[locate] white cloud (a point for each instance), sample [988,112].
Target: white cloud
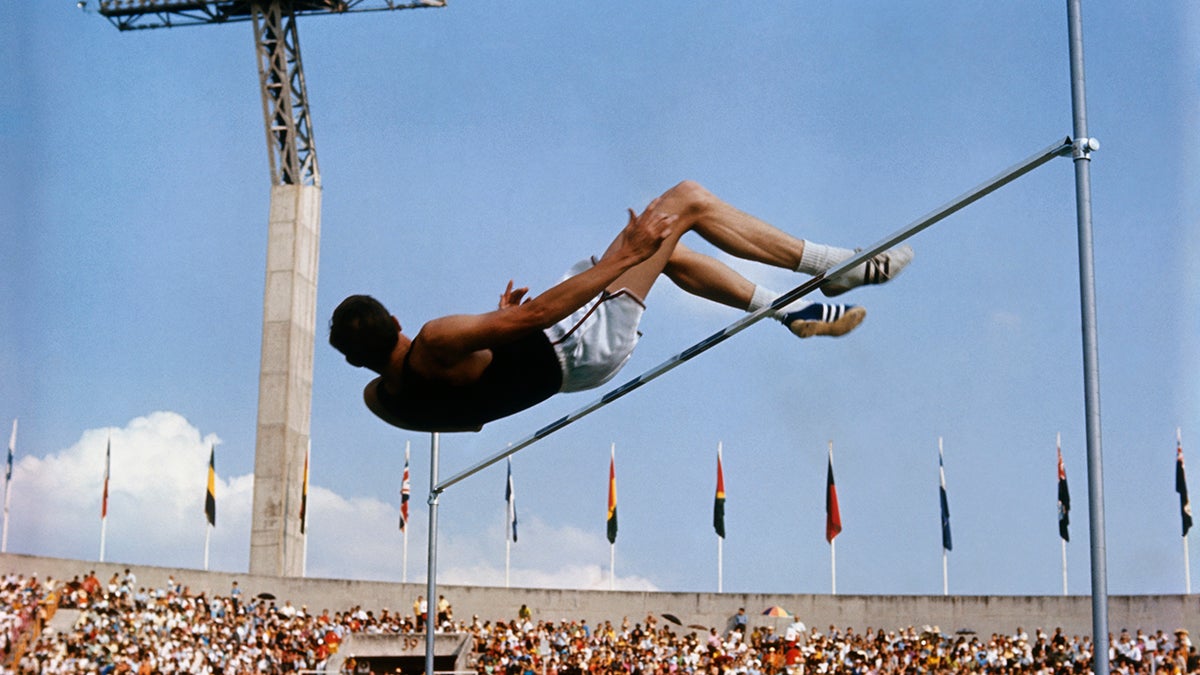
[157,486]
[545,556]
[158,479]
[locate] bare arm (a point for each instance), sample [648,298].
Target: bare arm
[452,339]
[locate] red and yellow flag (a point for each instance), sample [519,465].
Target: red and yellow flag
[612,498]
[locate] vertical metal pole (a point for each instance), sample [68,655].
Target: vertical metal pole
[1187,568]
[833,567]
[1091,369]
[431,568]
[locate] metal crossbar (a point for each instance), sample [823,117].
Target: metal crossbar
[1058,149]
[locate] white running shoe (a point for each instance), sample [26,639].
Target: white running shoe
[883,267]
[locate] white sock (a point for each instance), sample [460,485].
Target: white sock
[763,297]
[818,258]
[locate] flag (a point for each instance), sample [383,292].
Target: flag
[833,517]
[1185,507]
[304,496]
[107,465]
[612,499]
[719,502]
[210,499]
[12,447]
[946,543]
[510,498]
[405,490]
[1064,500]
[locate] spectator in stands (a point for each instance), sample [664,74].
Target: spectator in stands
[235,595]
[181,632]
[420,611]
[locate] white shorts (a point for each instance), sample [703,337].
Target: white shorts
[596,340]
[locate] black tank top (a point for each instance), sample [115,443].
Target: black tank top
[522,373]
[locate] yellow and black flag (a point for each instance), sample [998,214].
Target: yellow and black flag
[304,498]
[210,499]
[612,498]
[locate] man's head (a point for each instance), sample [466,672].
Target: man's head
[364,331]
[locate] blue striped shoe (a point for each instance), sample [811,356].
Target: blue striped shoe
[821,319]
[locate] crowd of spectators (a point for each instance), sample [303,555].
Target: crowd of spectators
[24,604]
[655,647]
[122,627]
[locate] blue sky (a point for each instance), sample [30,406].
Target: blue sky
[465,146]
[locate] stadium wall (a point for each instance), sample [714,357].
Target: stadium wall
[981,614]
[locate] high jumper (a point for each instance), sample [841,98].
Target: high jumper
[461,371]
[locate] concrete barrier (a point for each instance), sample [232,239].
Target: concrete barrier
[981,614]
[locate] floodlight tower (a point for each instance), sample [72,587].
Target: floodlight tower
[294,227]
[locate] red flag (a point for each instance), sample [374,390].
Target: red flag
[719,501]
[612,498]
[833,517]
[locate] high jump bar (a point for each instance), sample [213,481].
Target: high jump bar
[1058,149]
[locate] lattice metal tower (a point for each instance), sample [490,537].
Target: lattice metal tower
[294,228]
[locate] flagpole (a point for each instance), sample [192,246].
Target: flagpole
[832,568]
[104,502]
[612,567]
[1187,568]
[1187,562]
[509,508]
[832,547]
[12,449]
[612,540]
[404,570]
[720,571]
[720,542]
[304,539]
[833,520]
[1064,565]
[945,575]
[945,558]
[1058,445]
[210,501]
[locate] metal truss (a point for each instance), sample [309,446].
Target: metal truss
[290,145]
[142,14]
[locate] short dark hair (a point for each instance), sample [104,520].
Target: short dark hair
[363,330]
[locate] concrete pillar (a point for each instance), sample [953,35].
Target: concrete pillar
[285,380]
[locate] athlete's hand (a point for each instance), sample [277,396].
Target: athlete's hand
[645,233]
[512,297]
